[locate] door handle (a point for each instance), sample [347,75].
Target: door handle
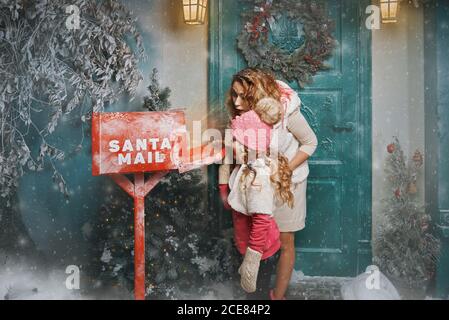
[347,127]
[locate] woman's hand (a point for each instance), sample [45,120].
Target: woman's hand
[298,160]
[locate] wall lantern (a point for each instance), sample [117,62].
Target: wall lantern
[389,9]
[194,11]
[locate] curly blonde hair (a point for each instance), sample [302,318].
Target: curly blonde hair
[258,84]
[282,181]
[281,178]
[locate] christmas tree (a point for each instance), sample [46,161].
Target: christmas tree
[406,248]
[182,254]
[157,100]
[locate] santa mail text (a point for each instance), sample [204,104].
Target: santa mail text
[148,150]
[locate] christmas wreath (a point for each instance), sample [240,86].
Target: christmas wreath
[291,38]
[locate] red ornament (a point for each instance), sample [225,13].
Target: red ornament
[397,193]
[315,63]
[391,148]
[256,21]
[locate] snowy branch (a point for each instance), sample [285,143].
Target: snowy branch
[47,67]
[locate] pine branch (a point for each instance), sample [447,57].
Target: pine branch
[158,99]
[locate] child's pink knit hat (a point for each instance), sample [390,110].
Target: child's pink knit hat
[251,132]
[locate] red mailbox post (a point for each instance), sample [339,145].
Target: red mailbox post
[138,142]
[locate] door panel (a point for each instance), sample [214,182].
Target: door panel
[336,240]
[437,116]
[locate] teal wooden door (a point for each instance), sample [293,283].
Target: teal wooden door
[337,237]
[437,116]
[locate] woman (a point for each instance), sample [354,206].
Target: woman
[249,86]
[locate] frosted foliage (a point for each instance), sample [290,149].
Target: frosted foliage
[50,71]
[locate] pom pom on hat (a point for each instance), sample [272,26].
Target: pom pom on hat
[269,110]
[249,130]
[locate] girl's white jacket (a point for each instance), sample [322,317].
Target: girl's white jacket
[259,195]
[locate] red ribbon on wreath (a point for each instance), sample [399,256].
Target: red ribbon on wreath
[310,60]
[257,27]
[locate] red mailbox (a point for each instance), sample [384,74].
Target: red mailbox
[138,142]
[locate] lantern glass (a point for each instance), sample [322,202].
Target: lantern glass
[389,10]
[194,11]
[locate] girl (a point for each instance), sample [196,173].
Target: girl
[257,186]
[299,142]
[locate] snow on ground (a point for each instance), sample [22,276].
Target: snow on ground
[25,282]
[216,291]
[368,286]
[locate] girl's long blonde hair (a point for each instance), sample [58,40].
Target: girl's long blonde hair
[257,84]
[281,178]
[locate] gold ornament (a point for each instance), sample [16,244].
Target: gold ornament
[418,158]
[412,188]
